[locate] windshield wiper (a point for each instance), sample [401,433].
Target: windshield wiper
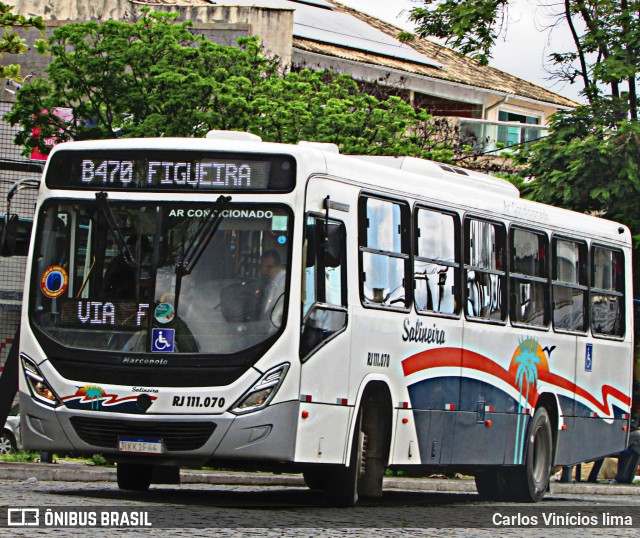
[198,244]
[200,240]
[105,208]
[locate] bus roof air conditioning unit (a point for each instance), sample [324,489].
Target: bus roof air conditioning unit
[233,135]
[322,146]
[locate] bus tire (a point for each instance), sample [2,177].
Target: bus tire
[369,454]
[134,477]
[530,482]
[493,485]
[342,480]
[375,449]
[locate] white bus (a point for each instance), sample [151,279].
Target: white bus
[245,304]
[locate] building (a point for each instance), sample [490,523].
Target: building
[494,106]
[498,109]
[485,101]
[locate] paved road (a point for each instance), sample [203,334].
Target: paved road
[278,505]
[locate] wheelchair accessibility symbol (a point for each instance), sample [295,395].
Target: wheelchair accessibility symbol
[162,340]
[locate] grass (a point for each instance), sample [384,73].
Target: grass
[27,456]
[20,456]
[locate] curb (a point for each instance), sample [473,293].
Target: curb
[79,472]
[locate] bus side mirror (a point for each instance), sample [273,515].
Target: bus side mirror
[14,236]
[9,234]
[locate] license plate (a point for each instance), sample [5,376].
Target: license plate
[140,446]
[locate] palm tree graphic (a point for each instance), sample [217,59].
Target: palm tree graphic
[95,394]
[526,377]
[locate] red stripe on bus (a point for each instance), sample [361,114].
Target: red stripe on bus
[454,357]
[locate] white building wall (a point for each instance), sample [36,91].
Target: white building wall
[273,25]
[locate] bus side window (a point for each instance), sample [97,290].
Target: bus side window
[570,291]
[607,291]
[529,272]
[324,287]
[436,262]
[385,247]
[484,270]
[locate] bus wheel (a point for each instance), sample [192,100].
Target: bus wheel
[369,453]
[135,477]
[376,424]
[493,485]
[530,482]
[342,481]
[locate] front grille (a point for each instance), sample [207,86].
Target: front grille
[176,435]
[117,374]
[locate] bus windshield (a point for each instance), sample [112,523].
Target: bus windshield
[170,277]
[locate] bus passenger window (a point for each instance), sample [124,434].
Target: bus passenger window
[436,264]
[529,278]
[607,292]
[384,253]
[484,274]
[569,290]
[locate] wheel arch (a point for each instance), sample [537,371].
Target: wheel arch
[549,401]
[375,394]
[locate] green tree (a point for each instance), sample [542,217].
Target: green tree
[605,56]
[11,42]
[590,160]
[468,26]
[587,161]
[155,77]
[588,167]
[322,106]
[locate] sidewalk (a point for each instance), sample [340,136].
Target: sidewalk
[80,472]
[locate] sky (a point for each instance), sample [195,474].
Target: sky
[521,52]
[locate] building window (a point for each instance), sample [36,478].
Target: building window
[437,106]
[517,134]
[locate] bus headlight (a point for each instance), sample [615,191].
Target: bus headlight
[262,391]
[38,386]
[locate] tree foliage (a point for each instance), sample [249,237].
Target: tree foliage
[10,41]
[588,167]
[470,27]
[605,57]
[590,160]
[586,163]
[155,77]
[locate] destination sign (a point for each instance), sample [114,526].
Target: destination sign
[207,174]
[170,171]
[86,313]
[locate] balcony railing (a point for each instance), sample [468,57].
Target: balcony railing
[489,136]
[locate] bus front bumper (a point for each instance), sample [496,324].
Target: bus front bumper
[268,434]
